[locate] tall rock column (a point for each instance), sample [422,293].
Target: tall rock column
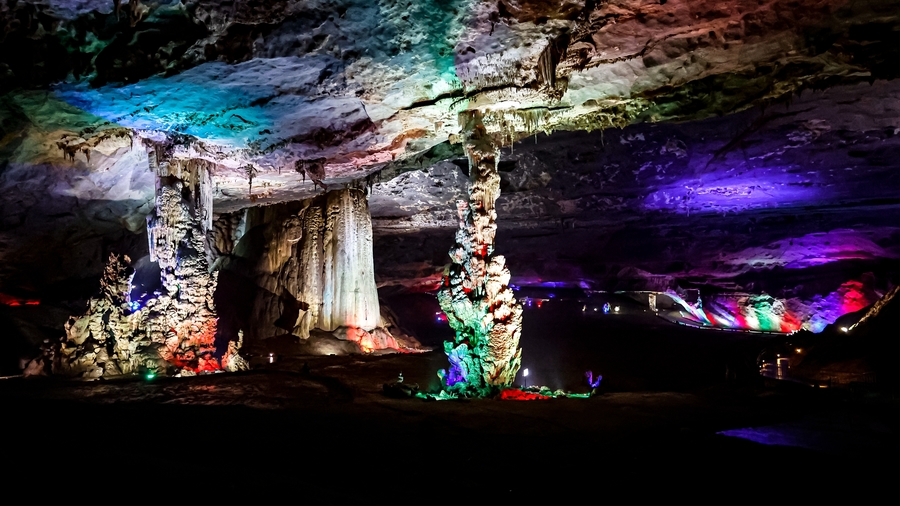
[184,318]
[479,304]
[349,295]
[173,331]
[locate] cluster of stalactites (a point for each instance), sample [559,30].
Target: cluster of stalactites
[335,269]
[184,201]
[314,270]
[476,297]
[172,330]
[510,125]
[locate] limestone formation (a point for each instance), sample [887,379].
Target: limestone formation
[479,304]
[753,190]
[312,268]
[173,330]
[310,94]
[106,341]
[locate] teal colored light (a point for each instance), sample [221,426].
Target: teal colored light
[438,25]
[149,376]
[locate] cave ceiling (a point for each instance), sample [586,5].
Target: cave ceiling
[614,114]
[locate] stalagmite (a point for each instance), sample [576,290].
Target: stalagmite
[104,341]
[174,330]
[476,297]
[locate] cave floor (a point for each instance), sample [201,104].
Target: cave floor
[332,433]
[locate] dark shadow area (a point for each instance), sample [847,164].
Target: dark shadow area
[632,348]
[420,314]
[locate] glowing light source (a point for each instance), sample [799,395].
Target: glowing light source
[592,381]
[149,376]
[844,329]
[513,394]
[271,358]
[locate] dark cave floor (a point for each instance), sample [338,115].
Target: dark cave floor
[331,432]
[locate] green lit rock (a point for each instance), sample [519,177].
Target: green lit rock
[479,304]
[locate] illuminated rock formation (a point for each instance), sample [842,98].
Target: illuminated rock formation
[183,318]
[105,341]
[310,266]
[304,95]
[345,284]
[479,304]
[173,330]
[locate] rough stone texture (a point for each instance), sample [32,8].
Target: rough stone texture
[287,98]
[794,200]
[475,295]
[67,183]
[104,341]
[174,330]
[184,316]
[308,265]
[361,83]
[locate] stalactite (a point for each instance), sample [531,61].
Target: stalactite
[507,126]
[174,331]
[479,304]
[314,168]
[251,173]
[316,270]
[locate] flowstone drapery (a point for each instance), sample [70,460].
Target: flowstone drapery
[479,304]
[173,330]
[308,265]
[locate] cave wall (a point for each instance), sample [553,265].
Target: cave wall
[771,199]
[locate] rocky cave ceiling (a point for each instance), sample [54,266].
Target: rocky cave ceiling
[706,140]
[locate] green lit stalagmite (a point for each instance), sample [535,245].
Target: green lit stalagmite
[479,304]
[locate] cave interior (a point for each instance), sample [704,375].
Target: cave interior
[346,207]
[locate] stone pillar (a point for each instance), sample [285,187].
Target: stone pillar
[479,304]
[183,319]
[173,331]
[349,295]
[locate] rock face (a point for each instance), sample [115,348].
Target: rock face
[794,201]
[185,315]
[287,98]
[173,330]
[104,341]
[476,297]
[361,84]
[308,265]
